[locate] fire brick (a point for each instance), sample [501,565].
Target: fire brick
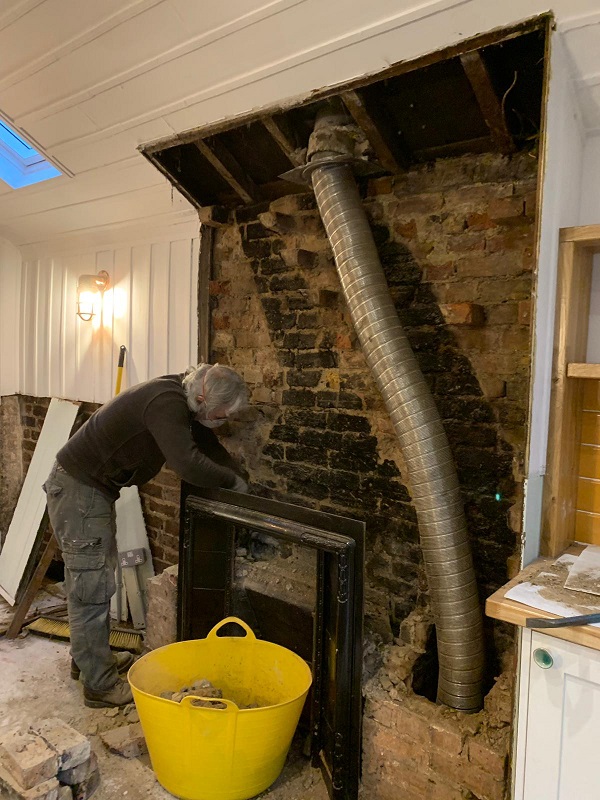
[11,790]
[72,747]
[27,758]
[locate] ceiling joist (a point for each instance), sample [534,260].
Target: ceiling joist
[229,169]
[283,138]
[491,107]
[378,131]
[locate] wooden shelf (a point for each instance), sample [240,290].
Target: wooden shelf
[579,370]
[498,607]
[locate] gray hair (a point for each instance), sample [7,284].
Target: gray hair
[221,387]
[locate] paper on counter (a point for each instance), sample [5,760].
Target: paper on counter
[584,574]
[531,595]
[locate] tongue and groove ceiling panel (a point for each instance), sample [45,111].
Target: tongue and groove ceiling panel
[484,96]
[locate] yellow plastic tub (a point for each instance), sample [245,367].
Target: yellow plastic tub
[220,753]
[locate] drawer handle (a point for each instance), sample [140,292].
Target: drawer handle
[543,658]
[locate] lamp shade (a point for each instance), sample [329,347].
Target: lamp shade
[89,294]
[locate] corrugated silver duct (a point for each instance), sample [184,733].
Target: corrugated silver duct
[431,472]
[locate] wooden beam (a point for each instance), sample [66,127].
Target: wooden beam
[583,370]
[564,430]
[491,107]
[378,131]
[282,137]
[205,270]
[586,234]
[34,585]
[229,169]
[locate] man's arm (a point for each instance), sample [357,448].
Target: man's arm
[167,419]
[210,445]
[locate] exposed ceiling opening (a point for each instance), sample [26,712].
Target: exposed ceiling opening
[484,95]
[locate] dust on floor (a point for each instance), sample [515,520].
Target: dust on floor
[35,684]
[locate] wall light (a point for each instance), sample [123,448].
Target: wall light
[89,294]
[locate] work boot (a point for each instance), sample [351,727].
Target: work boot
[123,661]
[117,695]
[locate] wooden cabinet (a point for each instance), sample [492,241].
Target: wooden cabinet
[559,720]
[571,496]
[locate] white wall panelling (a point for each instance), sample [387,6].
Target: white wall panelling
[10,291]
[150,307]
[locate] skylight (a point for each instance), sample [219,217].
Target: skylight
[20,164]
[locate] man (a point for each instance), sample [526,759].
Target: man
[125,443]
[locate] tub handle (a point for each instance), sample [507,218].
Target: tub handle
[188,700]
[249,632]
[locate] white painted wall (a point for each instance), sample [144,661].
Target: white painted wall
[10,289]
[562,164]
[590,189]
[150,307]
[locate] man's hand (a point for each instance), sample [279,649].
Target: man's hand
[240,485]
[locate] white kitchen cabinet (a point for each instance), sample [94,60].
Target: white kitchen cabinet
[558,732]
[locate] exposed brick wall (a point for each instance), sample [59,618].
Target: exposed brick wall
[11,460]
[456,243]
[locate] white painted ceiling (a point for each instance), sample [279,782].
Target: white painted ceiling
[90,81]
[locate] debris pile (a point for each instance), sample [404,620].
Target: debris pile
[47,761]
[204,694]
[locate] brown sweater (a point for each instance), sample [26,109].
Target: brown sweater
[127,441]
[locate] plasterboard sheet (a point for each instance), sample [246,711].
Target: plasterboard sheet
[131,535]
[31,505]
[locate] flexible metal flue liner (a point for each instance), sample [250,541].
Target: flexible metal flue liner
[431,472]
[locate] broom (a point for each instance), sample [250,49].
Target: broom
[55,628]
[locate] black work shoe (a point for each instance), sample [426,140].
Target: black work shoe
[124,660]
[118,695]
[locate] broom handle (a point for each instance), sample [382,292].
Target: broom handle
[122,352]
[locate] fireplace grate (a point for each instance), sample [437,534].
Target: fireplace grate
[209,521]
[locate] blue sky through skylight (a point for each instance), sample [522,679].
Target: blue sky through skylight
[20,163]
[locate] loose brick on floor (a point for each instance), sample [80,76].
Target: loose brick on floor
[79,773]
[70,745]
[27,758]
[85,789]
[11,790]
[127,741]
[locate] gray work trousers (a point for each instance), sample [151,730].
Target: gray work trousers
[83,520]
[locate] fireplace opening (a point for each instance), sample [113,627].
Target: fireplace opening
[329,636]
[426,670]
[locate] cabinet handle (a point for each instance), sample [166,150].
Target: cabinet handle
[543,658]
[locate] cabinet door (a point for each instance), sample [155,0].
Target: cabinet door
[559,756]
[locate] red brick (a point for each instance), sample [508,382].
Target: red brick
[221,322]
[406,230]
[480,222]
[525,312]
[380,186]
[445,738]
[417,204]
[490,759]
[343,341]
[219,287]
[463,314]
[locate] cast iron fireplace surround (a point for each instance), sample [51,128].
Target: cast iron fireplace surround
[209,522]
